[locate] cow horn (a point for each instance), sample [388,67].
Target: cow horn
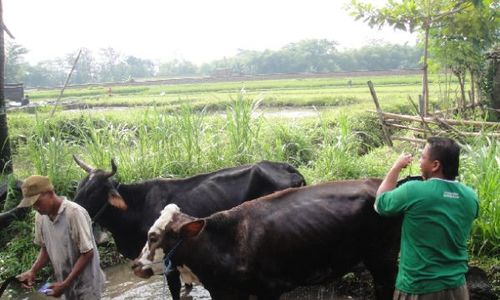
[83,165]
[113,168]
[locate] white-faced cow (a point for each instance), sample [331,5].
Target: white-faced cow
[268,246]
[129,210]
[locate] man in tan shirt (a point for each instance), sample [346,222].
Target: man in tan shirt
[63,230]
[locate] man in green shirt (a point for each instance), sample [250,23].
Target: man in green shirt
[438,215]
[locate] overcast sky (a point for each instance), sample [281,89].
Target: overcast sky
[195,30]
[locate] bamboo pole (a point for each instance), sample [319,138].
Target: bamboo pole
[408,128]
[431,120]
[421,116]
[489,134]
[380,114]
[66,83]
[456,109]
[407,139]
[443,123]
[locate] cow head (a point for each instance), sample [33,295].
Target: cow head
[97,188]
[168,230]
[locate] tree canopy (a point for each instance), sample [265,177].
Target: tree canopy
[313,55]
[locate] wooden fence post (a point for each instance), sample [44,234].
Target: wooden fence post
[421,106]
[380,116]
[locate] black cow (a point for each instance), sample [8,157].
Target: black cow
[134,207]
[268,246]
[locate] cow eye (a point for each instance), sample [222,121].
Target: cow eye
[153,239]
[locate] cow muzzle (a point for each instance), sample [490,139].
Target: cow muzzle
[141,271]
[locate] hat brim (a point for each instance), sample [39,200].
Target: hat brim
[28,201]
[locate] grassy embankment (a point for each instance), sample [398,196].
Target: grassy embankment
[341,142]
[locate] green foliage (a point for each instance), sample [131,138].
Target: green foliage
[49,153]
[243,132]
[15,65]
[177,67]
[18,252]
[481,170]
[289,143]
[312,55]
[12,193]
[338,150]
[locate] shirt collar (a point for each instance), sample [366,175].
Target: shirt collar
[446,180]
[62,208]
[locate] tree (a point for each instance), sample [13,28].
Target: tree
[177,67]
[313,54]
[86,68]
[140,68]
[379,56]
[15,67]
[409,15]
[460,42]
[5,155]
[49,73]
[112,67]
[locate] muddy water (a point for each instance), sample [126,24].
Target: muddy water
[121,284]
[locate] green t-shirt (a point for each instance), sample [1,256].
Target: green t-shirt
[438,216]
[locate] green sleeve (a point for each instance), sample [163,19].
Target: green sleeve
[393,202]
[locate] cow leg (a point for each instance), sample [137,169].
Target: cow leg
[228,295]
[188,287]
[383,271]
[268,297]
[174,284]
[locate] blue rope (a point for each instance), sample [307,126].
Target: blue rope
[167,261]
[168,265]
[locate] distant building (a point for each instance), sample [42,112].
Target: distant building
[222,73]
[14,92]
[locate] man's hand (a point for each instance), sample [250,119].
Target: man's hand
[402,162]
[27,278]
[390,180]
[56,289]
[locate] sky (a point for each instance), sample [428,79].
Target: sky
[194,30]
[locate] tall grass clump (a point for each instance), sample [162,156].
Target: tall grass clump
[481,170]
[338,155]
[184,141]
[49,153]
[152,145]
[242,131]
[289,143]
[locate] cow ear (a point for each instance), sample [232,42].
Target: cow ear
[116,200]
[192,229]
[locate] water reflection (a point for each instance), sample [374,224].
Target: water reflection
[121,284]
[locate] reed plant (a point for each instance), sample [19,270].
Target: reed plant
[49,152]
[481,170]
[242,130]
